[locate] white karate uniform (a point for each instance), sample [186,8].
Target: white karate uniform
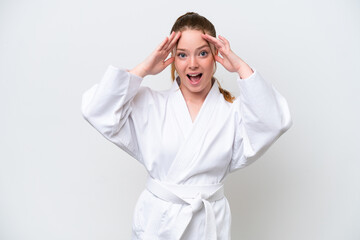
[186,161]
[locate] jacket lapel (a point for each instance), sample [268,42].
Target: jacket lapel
[194,133]
[180,110]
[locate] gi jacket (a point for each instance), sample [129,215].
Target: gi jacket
[156,129]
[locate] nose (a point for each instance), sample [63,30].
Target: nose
[193,64]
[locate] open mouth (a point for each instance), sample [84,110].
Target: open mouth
[194,78]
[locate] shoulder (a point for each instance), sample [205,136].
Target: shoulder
[225,109]
[226,104]
[230,111]
[147,96]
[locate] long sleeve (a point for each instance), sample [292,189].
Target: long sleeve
[107,106]
[263,116]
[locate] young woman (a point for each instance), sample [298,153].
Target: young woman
[191,136]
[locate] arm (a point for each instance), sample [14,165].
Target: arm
[107,106]
[111,106]
[263,114]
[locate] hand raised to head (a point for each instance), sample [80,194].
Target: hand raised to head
[229,59]
[157,61]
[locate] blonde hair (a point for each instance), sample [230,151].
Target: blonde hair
[195,21]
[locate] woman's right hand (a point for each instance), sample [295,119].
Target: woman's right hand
[157,62]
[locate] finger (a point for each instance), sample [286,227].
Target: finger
[222,46]
[172,35]
[224,40]
[162,44]
[218,44]
[170,39]
[212,41]
[174,41]
[219,59]
[222,52]
[211,38]
[168,61]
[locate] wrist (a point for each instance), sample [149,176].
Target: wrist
[138,71]
[244,71]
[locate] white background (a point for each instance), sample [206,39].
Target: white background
[60,179]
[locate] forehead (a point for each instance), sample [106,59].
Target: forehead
[191,39]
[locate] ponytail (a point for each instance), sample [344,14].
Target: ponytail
[227,95]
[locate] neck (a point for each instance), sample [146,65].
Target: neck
[195,97]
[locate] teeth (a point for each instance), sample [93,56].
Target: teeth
[193,75]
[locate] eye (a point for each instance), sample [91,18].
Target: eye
[181,55]
[203,53]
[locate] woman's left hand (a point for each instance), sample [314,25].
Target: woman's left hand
[229,59]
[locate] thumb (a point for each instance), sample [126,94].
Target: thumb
[219,59]
[169,61]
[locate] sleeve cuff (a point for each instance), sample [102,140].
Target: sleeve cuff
[249,77]
[134,79]
[126,70]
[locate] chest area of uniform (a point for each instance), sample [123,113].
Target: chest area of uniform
[179,145]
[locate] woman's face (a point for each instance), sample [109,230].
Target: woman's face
[194,63]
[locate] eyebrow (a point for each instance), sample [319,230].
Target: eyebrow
[182,49]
